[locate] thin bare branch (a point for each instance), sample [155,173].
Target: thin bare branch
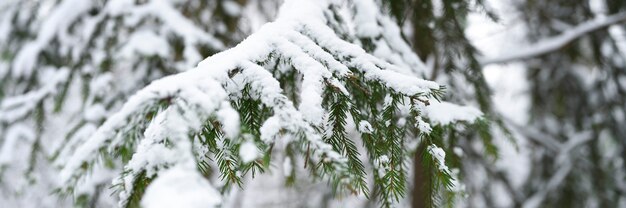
[554,43]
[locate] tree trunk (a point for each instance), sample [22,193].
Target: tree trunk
[421,194]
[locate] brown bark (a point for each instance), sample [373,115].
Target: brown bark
[424,45]
[420,192]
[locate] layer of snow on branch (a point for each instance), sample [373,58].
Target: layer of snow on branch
[231,8]
[13,108]
[15,135]
[445,113]
[365,19]
[365,127]
[287,167]
[229,119]
[145,43]
[64,14]
[248,152]
[179,187]
[553,43]
[440,156]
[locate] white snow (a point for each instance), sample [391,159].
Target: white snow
[181,187]
[287,167]
[270,129]
[193,108]
[145,43]
[365,127]
[445,113]
[550,44]
[365,19]
[458,151]
[175,22]
[14,135]
[13,108]
[95,113]
[248,152]
[231,8]
[437,8]
[64,14]
[229,119]
[101,85]
[423,126]
[440,157]
[381,163]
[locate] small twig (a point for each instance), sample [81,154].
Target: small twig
[352,79]
[426,102]
[551,44]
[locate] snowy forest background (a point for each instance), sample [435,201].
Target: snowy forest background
[312,103]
